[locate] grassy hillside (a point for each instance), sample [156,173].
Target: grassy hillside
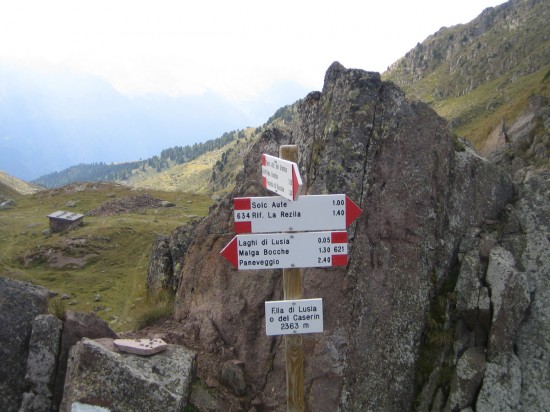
[477,113]
[101,266]
[212,172]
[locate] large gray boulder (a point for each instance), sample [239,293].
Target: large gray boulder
[420,189]
[527,236]
[77,325]
[98,374]
[167,258]
[20,303]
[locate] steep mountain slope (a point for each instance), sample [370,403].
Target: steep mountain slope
[212,172]
[12,187]
[6,192]
[478,74]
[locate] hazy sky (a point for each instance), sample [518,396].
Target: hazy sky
[235,47]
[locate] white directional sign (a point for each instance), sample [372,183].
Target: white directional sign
[277,214]
[287,317]
[281,177]
[287,250]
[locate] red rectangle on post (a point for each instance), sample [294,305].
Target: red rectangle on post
[243,227]
[339,260]
[242,203]
[339,237]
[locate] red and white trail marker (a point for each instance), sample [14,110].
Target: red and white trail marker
[309,213]
[281,177]
[287,250]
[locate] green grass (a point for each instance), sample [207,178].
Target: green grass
[481,110]
[156,307]
[57,307]
[111,253]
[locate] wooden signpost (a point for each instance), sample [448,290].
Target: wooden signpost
[290,232]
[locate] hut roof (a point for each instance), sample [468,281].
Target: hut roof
[68,216]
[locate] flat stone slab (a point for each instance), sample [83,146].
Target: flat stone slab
[100,375]
[82,407]
[144,347]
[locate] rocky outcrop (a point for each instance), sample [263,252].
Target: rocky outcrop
[77,325]
[129,204]
[525,147]
[20,303]
[526,236]
[500,324]
[167,258]
[100,375]
[7,204]
[509,300]
[467,379]
[501,390]
[420,190]
[36,346]
[160,273]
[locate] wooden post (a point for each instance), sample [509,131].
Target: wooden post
[294,348]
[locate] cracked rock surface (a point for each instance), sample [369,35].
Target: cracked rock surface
[419,191]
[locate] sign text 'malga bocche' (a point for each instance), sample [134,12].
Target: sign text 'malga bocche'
[288,250]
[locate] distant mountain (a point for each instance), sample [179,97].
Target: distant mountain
[483,73]
[132,172]
[52,118]
[207,167]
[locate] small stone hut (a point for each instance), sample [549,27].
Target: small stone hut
[61,221]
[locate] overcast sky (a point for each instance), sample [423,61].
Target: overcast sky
[238,48]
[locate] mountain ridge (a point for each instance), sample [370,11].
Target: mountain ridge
[481,72]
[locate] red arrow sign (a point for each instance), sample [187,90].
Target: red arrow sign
[287,250]
[308,213]
[231,252]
